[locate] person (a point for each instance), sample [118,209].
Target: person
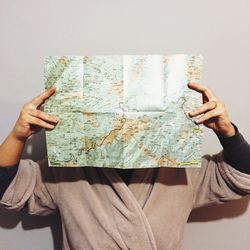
[105,208]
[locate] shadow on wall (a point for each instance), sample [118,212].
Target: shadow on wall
[36,149]
[229,210]
[10,219]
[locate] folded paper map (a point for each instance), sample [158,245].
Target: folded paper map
[123,111]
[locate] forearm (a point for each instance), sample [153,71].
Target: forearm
[236,151]
[11,150]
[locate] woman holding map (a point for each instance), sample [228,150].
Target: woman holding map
[102,208]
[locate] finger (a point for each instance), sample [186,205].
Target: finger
[36,121]
[42,115]
[37,101]
[204,108]
[203,90]
[209,115]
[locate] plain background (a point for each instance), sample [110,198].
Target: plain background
[219,30]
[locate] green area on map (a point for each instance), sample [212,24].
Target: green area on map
[123,111]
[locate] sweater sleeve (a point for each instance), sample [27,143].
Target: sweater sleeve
[217,182]
[32,185]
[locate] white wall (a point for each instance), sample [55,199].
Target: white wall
[219,30]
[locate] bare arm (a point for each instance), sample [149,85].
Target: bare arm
[30,121]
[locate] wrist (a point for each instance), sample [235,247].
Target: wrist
[232,143]
[229,131]
[11,150]
[18,139]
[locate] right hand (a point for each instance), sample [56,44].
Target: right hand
[31,119]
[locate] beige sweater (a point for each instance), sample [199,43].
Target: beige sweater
[99,211]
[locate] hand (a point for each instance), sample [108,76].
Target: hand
[213,113]
[31,119]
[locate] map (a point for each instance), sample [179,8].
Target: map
[123,111]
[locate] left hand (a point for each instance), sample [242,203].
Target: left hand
[31,120]
[213,113]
